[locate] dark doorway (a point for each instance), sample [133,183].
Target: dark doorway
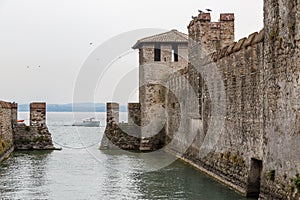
[254,176]
[157,52]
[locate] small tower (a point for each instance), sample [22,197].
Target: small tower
[212,36]
[159,56]
[112,113]
[38,114]
[226,29]
[14,113]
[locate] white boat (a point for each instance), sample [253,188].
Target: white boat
[90,122]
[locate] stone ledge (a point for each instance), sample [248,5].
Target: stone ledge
[211,174]
[7,153]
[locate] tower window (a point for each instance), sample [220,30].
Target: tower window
[174,53]
[157,52]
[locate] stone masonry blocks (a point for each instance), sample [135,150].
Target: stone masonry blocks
[38,114]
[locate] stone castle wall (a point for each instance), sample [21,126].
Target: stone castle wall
[281,98]
[234,110]
[126,136]
[257,149]
[17,136]
[238,94]
[36,136]
[7,117]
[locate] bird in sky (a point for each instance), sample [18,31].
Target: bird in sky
[208,10]
[91,43]
[200,11]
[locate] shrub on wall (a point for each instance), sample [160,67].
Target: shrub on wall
[271,174]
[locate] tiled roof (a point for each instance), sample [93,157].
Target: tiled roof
[172,36]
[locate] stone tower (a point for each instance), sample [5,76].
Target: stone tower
[159,56]
[38,114]
[206,37]
[212,36]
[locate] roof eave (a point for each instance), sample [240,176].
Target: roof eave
[139,44]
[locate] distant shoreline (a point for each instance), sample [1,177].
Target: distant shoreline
[74,111]
[80,107]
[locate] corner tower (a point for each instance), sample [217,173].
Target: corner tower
[159,56]
[210,35]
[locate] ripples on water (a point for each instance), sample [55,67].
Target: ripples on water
[88,173]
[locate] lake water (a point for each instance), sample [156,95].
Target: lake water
[82,171]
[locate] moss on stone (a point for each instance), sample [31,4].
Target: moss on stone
[273,34]
[233,158]
[292,27]
[4,146]
[291,188]
[221,155]
[297,182]
[240,160]
[280,40]
[271,174]
[27,128]
[227,155]
[24,140]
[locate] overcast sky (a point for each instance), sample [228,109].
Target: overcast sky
[44,43]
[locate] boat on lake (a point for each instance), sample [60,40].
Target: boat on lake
[89,122]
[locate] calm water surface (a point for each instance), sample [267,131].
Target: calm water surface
[81,171]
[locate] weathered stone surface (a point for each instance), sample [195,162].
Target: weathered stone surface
[126,136]
[32,138]
[152,80]
[261,129]
[251,85]
[212,35]
[18,136]
[281,100]
[7,115]
[38,114]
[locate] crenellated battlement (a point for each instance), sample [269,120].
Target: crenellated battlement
[252,39]
[227,17]
[205,17]
[212,36]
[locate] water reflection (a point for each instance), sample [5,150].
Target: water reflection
[79,173]
[27,174]
[181,181]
